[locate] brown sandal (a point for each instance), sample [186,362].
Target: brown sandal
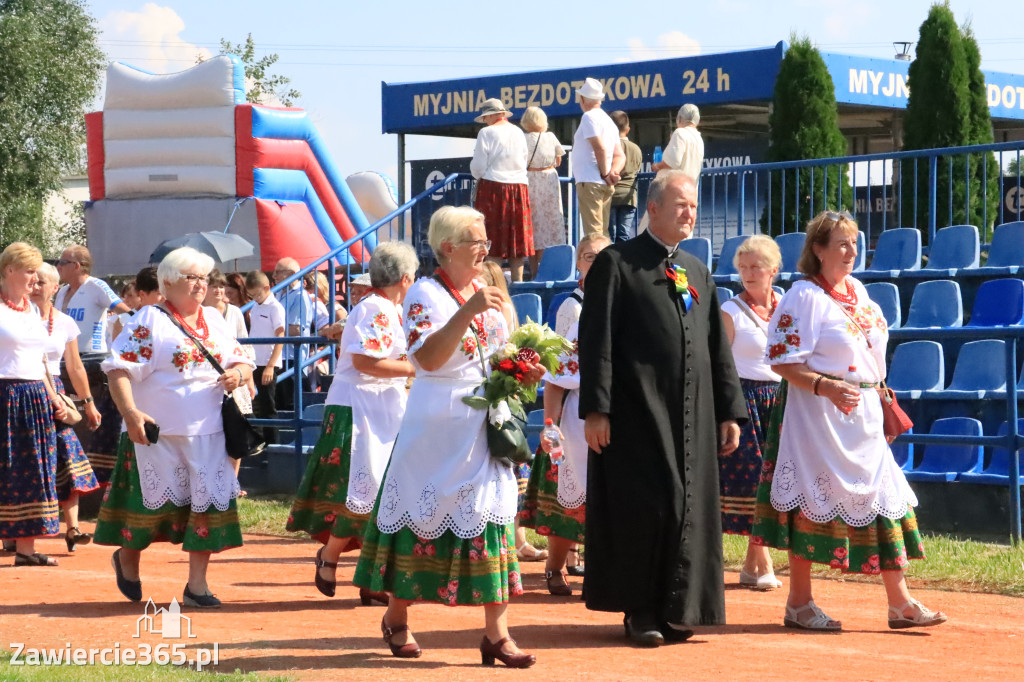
[407,650]
[36,559]
[561,587]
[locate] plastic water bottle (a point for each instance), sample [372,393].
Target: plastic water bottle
[552,437]
[657,154]
[850,416]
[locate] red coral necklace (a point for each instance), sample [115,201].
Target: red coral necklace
[478,319]
[16,308]
[849,298]
[200,331]
[49,323]
[773,301]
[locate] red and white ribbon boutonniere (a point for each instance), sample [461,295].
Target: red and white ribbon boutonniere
[677,275]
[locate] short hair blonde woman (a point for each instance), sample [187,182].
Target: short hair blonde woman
[534,120]
[764,248]
[20,256]
[451,225]
[544,156]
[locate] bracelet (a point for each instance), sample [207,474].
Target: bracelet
[87,399]
[240,379]
[814,384]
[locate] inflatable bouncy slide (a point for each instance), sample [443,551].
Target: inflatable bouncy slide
[183,152]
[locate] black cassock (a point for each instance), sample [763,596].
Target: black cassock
[666,378]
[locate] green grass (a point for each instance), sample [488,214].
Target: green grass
[954,564]
[122,673]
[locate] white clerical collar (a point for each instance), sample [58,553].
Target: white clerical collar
[670,250]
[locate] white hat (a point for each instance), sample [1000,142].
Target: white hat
[492,106]
[362,280]
[592,89]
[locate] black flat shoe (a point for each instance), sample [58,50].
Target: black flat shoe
[131,589]
[576,570]
[642,631]
[199,601]
[674,635]
[36,559]
[326,587]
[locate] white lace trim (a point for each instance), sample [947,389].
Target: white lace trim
[857,507]
[460,514]
[187,471]
[572,493]
[362,491]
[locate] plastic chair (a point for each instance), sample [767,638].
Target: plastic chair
[862,252]
[699,248]
[903,453]
[554,305]
[945,463]
[527,307]
[887,296]
[980,370]
[534,425]
[954,248]
[558,264]
[999,303]
[897,250]
[916,367]
[779,290]
[1006,252]
[725,271]
[790,245]
[724,294]
[998,470]
[935,304]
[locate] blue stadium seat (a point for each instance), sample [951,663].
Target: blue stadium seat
[916,367]
[527,307]
[862,252]
[724,295]
[999,303]
[534,425]
[1005,253]
[779,290]
[903,453]
[935,304]
[790,245]
[980,371]
[887,296]
[953,249]
[554,305]
[897,250]
[998,470]
[725,272]
[944,463]
[558,264]
[699,248]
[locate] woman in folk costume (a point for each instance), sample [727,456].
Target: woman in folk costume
[177,485]
[442,527]
[365,405]
[830,490]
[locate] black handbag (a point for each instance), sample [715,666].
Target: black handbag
[240,437]
[508,441]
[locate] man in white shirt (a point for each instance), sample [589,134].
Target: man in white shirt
[86,299]
[597,159]
[267,320]
[298,315]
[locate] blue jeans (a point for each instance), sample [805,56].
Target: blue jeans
[620,223]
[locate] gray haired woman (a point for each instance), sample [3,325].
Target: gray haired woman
[177,484]
[365,405]
[685,151]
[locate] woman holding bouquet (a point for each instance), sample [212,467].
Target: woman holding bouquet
[364,410]
[442,527]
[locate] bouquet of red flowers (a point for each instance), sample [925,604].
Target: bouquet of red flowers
[503,393]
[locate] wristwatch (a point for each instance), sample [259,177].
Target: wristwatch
[87,399]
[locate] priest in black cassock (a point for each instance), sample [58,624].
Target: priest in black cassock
[661,398]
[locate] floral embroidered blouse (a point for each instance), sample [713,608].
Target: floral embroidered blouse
[171,379]
[373,329]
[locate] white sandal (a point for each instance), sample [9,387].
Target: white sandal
[924,617]
[818,621]
[763,583]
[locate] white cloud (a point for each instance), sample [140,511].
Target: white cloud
[667,45]
[155,34]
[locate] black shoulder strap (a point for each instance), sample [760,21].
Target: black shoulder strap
[575,295]
[213,362]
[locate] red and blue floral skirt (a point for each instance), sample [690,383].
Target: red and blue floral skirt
[740,470]
[28,461]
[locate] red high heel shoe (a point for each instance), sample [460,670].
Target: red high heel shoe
[407,650]
[490,651]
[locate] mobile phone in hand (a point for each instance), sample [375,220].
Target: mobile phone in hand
[152,432]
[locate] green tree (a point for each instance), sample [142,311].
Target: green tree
[261,86]
[984,187]
[939,114]
[804,124]
[50,68]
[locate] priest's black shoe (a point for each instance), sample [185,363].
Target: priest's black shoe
[643,630]
[674,635]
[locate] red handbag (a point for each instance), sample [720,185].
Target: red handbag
[894,420]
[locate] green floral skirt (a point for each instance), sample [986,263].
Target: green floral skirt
[541,509]
[448,569]
[125,521]
[884,545]
[319,508]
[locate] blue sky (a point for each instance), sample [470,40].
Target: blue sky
[338,52]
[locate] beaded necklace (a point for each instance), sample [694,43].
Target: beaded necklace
[478,320]
[49,323]
[201,331]
[773,300]
[16,308]
[849,298]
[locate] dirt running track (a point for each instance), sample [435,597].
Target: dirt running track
[275,621]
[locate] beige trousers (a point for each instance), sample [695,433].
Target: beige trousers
[595,203]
